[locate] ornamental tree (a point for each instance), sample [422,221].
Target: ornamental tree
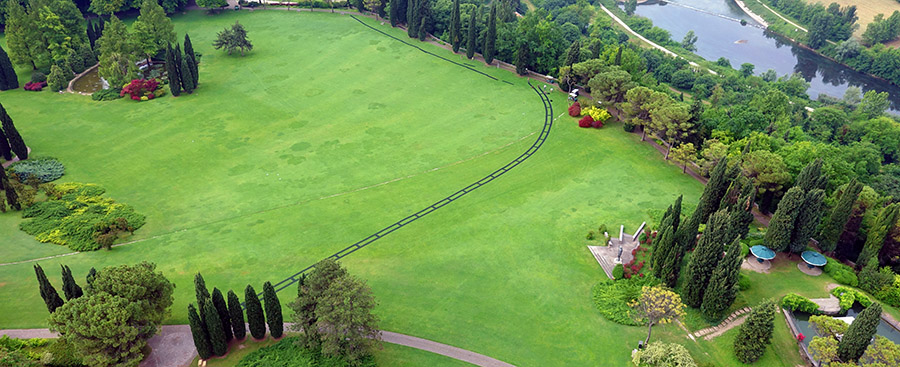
[222,311]
[471,36]
[344,314]
[216,331]
[722,288]
[153,30]
[233,39]
[199,333]
[15,140]
[756,333]
[48,292]
[834,224]
[255,316]
[705,258]
[490,38]
[237,316]
[273,311]
[860,332]
[309,292]
[70,288]
[105,329]
[781,227]
[455,26]
[656,305]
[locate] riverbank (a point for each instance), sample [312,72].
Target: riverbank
[751,14]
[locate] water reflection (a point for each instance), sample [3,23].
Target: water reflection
[720,37]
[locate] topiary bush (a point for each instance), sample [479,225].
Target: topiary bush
[77,216]
[841,273]
[796,302]
[44,169]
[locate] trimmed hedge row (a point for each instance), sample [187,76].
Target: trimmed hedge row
[796,302]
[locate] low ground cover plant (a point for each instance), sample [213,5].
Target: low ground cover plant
[612,298]
[44,169]
[106,94]
[78,216]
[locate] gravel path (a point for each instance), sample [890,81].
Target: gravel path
[173,346]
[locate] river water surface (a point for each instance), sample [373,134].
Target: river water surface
[720,37]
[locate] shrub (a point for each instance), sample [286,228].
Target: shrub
[76,214]
[743,282]
[106,94]
[43,169]
[287,352]
[590,236]
[586,121]
[795,302]
[575,110]
[612,297]
[745,250]
[140,89]
[841,273]
[628,127]
[38,77]
[63,355]
[618,272]
[848,296]
[35,86]
[659,354]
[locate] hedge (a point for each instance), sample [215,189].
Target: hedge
[795,302]
[288,353]
[841,273]
[848,296]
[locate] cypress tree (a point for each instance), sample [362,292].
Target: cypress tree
[8,79]
[811,177]
[455,34]
[662,247]
[90,33]
[808,218]
[189,54]
[190,64]
[216,330]
[781,227]
[5,151]
[201,291]
[686,236]
[15,140]
[705,258]
[172,72]
[222,310]
[755,334]
[395,11]
[856,339]
[676,213]
[89,278]
[423,19]
[470,45]
[741,210]
[11,196]
[254,314]
[523,58]
[836,221]
[618,60]
[490,38]
[237,316]
[878,233]
[187,79]
[273,311]
[70,288]
[199,333]
[412,22]
[722,288]
[48,293]
[573,54]
[714,191]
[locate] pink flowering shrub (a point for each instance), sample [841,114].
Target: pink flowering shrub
[35,87]
[140,88]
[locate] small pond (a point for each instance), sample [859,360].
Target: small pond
[89,83]
[801,319]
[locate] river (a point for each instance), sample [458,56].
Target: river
[720,37]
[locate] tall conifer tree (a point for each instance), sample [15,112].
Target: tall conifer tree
[705,258]
[187,77]
[573,54]
[490,38]
[199,333]
[273,311]
[523,58]
[412,20]
[217,338]
[15,140]
[715,189]
[11,196]
[756,333]
[8,77]
[48,293]
[860,333]
[781,227]
[811,177]
[172,72]
[222,310]
[395,12]
[722,289]
[5,150]
[470,44]
[836,221]
[885,221]
[237,316]
[254,313]
[200,290]
[189,54]
[455,24]
[70,288]
[808,218]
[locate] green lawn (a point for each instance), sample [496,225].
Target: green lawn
[325,133]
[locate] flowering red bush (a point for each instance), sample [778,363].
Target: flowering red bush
[575,110]
[597,124]
[35,87]
[586,121]
[140,88]
[800,337]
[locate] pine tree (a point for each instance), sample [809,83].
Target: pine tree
[273,311]
[5,151]
[8,77]
[455,34]
[755,334]
[705,258]
[70,288]
[222,310]
[490,38]
[48,293]
[714,191]
[470,44]
[722,288]
[15,140]
[808,218]
[172,72]
[187,79]
[189,54]
[573,54]
[237,316]
[199,333]
[254,314]
[412,21]
[523,58]
[885,221]
[834,224]
[781,227]
[395,11]
[216,330]
[200,290]
[860,333]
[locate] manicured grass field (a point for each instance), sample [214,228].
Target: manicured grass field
[325,133]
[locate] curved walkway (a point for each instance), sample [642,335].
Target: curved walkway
[174,346]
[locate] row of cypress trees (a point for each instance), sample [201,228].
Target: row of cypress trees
[415,15]
[182,69]
[8,77]
[71,289]
[218,322]
[799,212]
